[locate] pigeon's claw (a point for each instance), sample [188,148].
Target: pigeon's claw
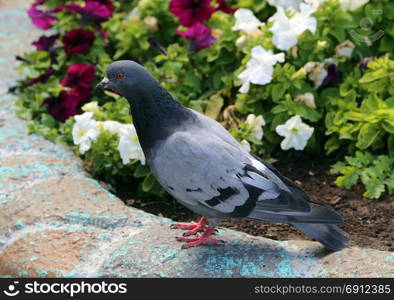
[193,228]
[204,238]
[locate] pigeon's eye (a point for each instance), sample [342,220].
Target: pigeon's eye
[119,75]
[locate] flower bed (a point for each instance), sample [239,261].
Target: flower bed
[282,76]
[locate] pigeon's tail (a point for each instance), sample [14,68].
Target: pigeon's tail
[331,236]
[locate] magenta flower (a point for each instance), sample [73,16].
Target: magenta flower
[45,43]
[78,41]
[190,12]
[199,35]
[224,8]
[93,10]
[63,106]
[41,19]
[79,76]
[43,77]
[107,3]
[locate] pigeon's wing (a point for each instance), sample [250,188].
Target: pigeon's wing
[215,128]
[201,170]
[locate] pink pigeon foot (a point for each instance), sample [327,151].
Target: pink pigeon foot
[204,238]
[193,227]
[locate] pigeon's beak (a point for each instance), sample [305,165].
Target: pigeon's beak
[104,84]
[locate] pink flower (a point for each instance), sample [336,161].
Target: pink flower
[79,76]
[63,106]
[190,12]
[94,10]
[199,35]
[107,3]
[78,41]
[41,19]
[43,77]
[224,8]
[45,43]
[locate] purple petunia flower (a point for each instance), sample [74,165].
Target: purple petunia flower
[93,10]
[45,43]
[107,3]
[79,76]
[190,12]
[78,41]
[41,19]
[333,76]
[63,106]
[363,64]
[199,35]
[224,8]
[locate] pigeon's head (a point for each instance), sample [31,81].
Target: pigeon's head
[124,76]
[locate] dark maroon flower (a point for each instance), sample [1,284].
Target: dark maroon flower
[41,78]
[63,106]
[333,76]
[38,2]
[45,43]
[199,35]
[93,10]
[78,41]
[224,8]
[190,12]
[107,3]
[41,19]
[79,76]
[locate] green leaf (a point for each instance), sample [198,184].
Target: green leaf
[141,171]
[148,183]
[278,91]
[214,106]
[349,178]
[368,135]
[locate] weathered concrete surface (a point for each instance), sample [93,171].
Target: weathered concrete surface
[57,221]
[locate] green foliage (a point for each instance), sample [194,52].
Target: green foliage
[375,172]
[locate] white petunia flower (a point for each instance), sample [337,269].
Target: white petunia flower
[257,123]
[317,72]
[129,146]
[245,145]
[246,21]
[295,132]
[286,4]
[112,126]
[308,99]
[345,49]
[84,131]
[294,4]
[259,68]
[352,4]
[285,30]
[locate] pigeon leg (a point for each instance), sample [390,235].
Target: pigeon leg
[193,227]
[204,238]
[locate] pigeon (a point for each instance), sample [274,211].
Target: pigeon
[199,163]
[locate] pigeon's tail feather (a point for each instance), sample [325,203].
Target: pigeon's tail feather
[317,215]
[331,236]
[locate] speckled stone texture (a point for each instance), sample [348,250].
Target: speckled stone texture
[57,221]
